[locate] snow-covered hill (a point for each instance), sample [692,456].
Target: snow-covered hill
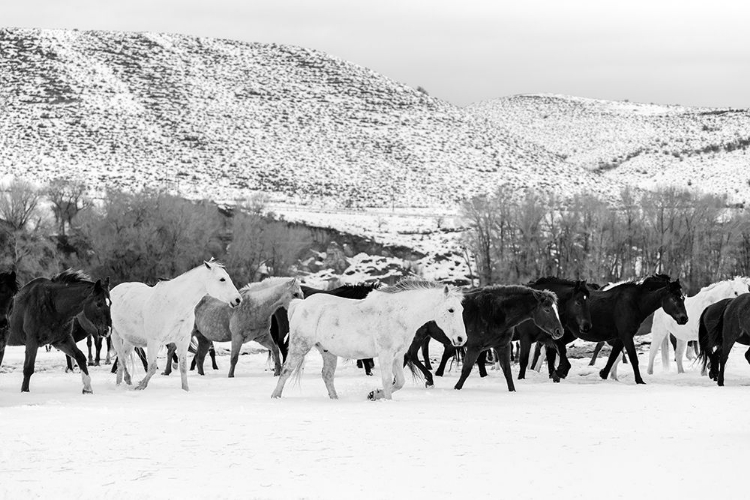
[644,145]
[219,118]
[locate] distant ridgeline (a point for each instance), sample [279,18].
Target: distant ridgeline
[216,118]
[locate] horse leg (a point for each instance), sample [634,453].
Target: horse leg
[472,354]
[182,354]
[412,357]
[68,346]
[616,350]
[107,358]
[679,354]
[235,356]
[503,355]
[68,364]
[295,356]
[152,351]
[633,356]
[329,369]
[448,352]
[369,364]
[523,356]
[267,342]
[171,349]
[695,351]
[142,355]
[482,363]
[28,365]
[386,375]
[200,353]
[398,374]
[98,348]
[212,353]
[747,355]
[723,362]
[658,341]
[88,344]
[426,354]
[595,354]
[119,363]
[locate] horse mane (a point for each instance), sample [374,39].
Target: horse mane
[268,282]
[552,280]
[71,276]
[652,282]
[540,295]
[408,284]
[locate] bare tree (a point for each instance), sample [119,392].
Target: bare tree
[68,198]
[19,203]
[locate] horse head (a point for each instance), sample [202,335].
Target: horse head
[95,315]
[577,307]
[219,285]
[293,291]
[449,315]
[545,314]
[674,302]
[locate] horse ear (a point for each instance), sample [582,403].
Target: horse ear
[106,283]
[446,290]
[206,263]
[98,286]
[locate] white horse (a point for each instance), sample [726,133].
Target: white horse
[664,325]
[144,316]
[381,325]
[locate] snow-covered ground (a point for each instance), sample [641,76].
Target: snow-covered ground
[680,436]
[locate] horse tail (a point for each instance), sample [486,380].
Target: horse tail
[416,373]
[710,339]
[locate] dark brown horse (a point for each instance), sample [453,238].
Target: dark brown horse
[491,312]
[616,314]
[722,324]
[573,302]
[46,311]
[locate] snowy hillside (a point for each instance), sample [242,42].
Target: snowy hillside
[219,118]
[645,145]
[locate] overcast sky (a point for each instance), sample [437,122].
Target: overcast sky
[673,52]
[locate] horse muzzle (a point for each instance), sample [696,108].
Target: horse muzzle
[682,319]
[458,341]
[557,333]
[235,301]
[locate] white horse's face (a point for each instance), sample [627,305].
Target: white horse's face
[450,318]
[739,286]
[219,285]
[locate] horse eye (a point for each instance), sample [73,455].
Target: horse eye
[222,279]
[451,310]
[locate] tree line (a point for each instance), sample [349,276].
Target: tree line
[517,237]
[142,236]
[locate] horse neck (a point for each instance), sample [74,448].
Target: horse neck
[267,299]
[650,300]
[422,306]
[69,301]
[518,308]
[564,294]
[191,286]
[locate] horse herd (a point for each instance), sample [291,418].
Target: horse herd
[391,323]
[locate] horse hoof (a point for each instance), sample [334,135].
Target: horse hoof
[371,396]
[165,374]
[90,363]
[429,385]
[640,382]
[88,391]
[603,374]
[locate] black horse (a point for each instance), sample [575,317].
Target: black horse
[573,304]
[721,325]
[616,314]
[280,321]
[490,313]
[47,311]
[8,289]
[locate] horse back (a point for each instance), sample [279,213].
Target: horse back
[212,319]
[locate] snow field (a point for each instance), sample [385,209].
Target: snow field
[678,436]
